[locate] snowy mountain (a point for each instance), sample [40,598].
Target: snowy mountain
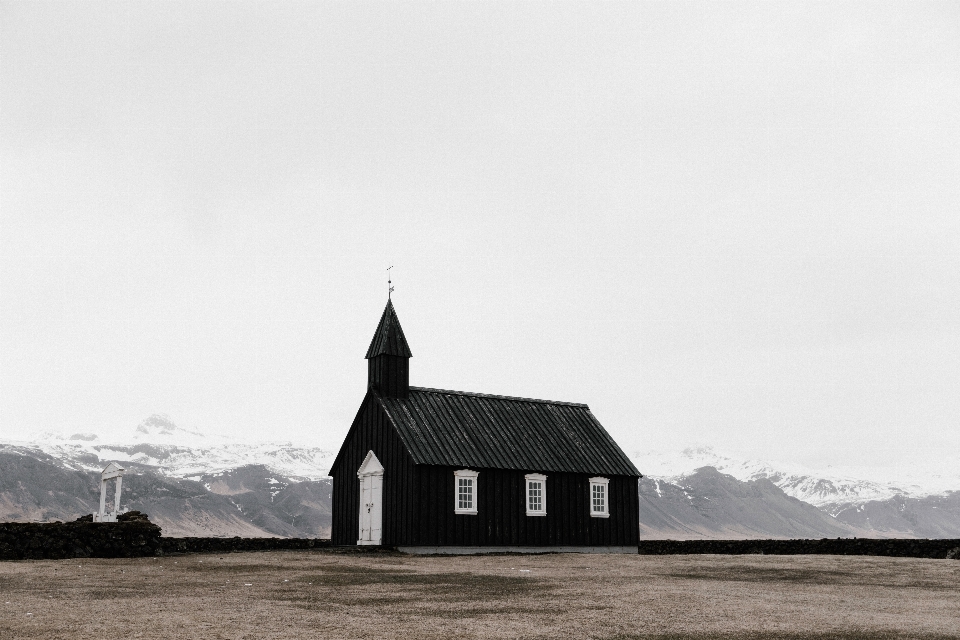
[832,490]
[250,501]
[710,504]
[695,492]
[177,452]
[189,483]
[196,484]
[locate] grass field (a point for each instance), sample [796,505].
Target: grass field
[384,595]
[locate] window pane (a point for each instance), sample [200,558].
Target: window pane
[599,498]
[465,493]
[535,496]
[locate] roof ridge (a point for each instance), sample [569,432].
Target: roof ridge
[491,395]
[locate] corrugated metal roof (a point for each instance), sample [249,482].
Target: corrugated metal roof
[389,338]
[455,428]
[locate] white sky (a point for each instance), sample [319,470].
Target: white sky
[720,223]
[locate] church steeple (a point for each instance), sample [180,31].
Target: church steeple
[388,358]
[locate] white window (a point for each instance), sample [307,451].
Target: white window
[599,504]
[465,491]
[536,494]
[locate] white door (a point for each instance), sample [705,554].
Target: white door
[376,509]
[365,509]
[371,500]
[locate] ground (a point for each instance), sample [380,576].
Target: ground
[322,594]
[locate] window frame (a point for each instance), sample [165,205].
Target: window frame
[466,474]
[542,479]
[599,482]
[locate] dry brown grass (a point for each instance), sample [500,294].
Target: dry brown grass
[314,594]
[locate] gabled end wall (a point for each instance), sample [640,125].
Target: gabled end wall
[372,431]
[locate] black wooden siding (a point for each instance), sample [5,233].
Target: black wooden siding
[418,500]
[372,432]
[422,435]
[389,375]
[501,518]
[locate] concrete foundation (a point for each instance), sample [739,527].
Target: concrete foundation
[464,551]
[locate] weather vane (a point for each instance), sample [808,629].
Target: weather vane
[389,282]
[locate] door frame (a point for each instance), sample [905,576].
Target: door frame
[370,475]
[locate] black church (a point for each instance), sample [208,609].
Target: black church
[429,470]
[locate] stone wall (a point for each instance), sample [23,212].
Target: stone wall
[229,545]
[839,546]
[81,539]
[133,535]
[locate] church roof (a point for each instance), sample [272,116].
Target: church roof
[455,428]
[389,338]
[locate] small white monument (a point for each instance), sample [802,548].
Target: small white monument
[113,470]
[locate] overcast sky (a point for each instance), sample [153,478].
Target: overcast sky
[730,224]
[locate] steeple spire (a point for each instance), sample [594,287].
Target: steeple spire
[388,358]
[388,338]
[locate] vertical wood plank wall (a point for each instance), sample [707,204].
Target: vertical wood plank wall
[390,374]
[372,432]
[501,511]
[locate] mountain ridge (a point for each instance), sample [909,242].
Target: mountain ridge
[833,490]
[158,442]
[193,484]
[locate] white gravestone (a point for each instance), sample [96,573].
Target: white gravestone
[113,470]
